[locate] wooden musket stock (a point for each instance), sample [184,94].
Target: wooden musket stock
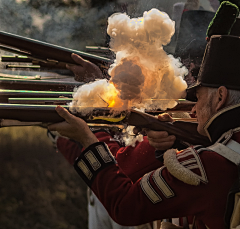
[184,131]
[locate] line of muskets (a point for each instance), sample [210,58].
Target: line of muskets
[184,131]
[38,108]
[43,53]
[30,100]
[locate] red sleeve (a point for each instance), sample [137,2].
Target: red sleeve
[135,161]
[188,184]
[138,160]
[71,149]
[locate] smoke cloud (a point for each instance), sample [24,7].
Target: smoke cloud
[101,93]
[143,74]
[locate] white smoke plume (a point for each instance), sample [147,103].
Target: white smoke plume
[143,74]
[98,94]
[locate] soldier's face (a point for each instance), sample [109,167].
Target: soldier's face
[204,108]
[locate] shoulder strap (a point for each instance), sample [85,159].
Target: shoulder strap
[230,151]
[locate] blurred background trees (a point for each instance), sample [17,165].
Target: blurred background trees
[38,188]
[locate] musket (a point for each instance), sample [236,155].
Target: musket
[18,59]
[184,131]
[36,64]
[54,97]
[102,51]
[33,83]
[5,94]
[41,101]
[46,53]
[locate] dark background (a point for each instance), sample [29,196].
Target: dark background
[38,188]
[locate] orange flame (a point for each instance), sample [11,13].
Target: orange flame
[111,96]
[112,103]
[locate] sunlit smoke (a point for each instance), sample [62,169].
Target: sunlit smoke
[129,138]
[128,79]
[101,93]
[143,74]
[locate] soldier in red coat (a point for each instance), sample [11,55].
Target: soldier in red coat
[135,161]
[195,181]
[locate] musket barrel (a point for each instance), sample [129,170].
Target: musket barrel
[40,101]
[21,59]
[184,131]
[6,94]
[38,85]
[45,113]
[29,113]
[45,51]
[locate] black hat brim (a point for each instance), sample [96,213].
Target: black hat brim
[191,92]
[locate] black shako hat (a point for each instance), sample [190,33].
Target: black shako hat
[220,65]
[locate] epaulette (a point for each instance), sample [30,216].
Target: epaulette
[186,165]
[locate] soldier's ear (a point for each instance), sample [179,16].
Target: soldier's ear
[222,94]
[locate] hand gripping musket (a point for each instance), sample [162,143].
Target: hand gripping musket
[184,131]
[46,54]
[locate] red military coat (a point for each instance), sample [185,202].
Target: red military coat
[195,181]
[135,161]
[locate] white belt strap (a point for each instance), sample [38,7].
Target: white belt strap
[230,151]
[233,145]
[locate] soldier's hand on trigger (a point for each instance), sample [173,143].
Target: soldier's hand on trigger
[161,140]
[84,71]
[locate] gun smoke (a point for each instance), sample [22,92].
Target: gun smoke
[143,74]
